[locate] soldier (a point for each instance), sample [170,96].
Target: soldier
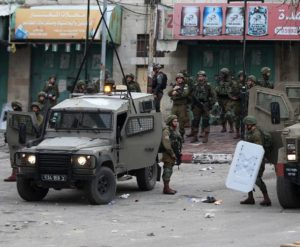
[80,87]
[235,103]
[172,143]
[222,91]
[36,108]
[265,80]
[16,106]
[51,89]
[159,82]
[179,95]
[203,97]
[254,135]
[132,85]
[42,101]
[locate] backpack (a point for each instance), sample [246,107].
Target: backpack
[267,141]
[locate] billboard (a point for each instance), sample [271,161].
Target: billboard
[220,21]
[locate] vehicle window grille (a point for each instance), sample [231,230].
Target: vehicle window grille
[138,125]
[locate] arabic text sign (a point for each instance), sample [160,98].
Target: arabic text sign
[54,23]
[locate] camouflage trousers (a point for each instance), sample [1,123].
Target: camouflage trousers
[167,171]
[259,181]
[226,111]
[181,112]
[236,108]
[199,113]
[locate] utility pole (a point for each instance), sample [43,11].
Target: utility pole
[151,40]
[103,47]
[87,39]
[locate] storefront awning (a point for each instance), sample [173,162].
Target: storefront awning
[64,22]
[8,9]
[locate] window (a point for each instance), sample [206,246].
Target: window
[138,125]
[264,101]
[142,47]
[19,121]
[80,120]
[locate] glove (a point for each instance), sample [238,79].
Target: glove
[216,104]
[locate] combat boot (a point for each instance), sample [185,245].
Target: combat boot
[205,138]
[202,133]
[231,129]
[250,200]
[167,190]
[195,138]
[12,177]
[223,128]
[266,201]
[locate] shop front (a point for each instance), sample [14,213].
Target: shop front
[56,37]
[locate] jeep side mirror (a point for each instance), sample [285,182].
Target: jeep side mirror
[275,112]
[22,133]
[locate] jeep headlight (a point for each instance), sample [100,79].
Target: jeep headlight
[81,160]
[291,149]
[27,159]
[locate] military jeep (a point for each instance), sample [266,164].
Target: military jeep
[87,142]
[283,122]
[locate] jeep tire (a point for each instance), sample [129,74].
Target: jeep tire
[102,188]
[288,193]
[29,191]
[146,177]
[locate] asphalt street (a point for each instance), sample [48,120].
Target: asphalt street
[134,218]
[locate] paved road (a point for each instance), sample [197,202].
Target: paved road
[65,218]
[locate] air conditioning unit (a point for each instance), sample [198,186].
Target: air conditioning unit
[152,1]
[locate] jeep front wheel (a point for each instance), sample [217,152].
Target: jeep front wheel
[288,193]
[102,188]
[146,177]
[29,191]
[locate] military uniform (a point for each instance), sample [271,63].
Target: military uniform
[132,85]
[254,135]
[222,91]
[43,102]
[264,81]
[203,97]
[39,116]
[179,94]
[157,90]
[51,89]
[80,87]
[171,141]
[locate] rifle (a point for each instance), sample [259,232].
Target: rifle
[204,105]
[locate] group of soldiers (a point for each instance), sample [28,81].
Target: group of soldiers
[202,100]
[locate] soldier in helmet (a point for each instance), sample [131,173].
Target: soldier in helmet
[16,106]
[172,143]
[251,82]
[42,101]
[203,97]
[254,135]
[80,87]
[51,89]
[36,108]
[132,85]
[159,81]
[265,80]
[179,95]
[222,91]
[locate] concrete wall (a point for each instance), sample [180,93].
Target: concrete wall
[19,76]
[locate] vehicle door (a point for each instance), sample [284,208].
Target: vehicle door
[260,101]
[140,140]
[21,128]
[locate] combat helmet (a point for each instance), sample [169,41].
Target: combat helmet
[201,72]
[265,70]
[225,71]
[129,75]
[80,83]
[240,73]
[16,104]
[252,78]
[170,119]
[157,66]
[249,120]
[37,104]
[42,93]
[179,75]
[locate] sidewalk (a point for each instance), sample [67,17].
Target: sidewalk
[219,149]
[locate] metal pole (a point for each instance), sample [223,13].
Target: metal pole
[151,41]
[103,47]
[86,39]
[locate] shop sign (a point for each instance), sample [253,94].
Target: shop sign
[226,21]
[56,24]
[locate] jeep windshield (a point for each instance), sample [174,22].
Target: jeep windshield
[71,120]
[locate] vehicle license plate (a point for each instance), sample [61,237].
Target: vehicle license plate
[54,177]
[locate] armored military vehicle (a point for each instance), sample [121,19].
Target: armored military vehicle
[88,142]
[277,111]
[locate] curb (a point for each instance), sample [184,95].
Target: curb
[206,158]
